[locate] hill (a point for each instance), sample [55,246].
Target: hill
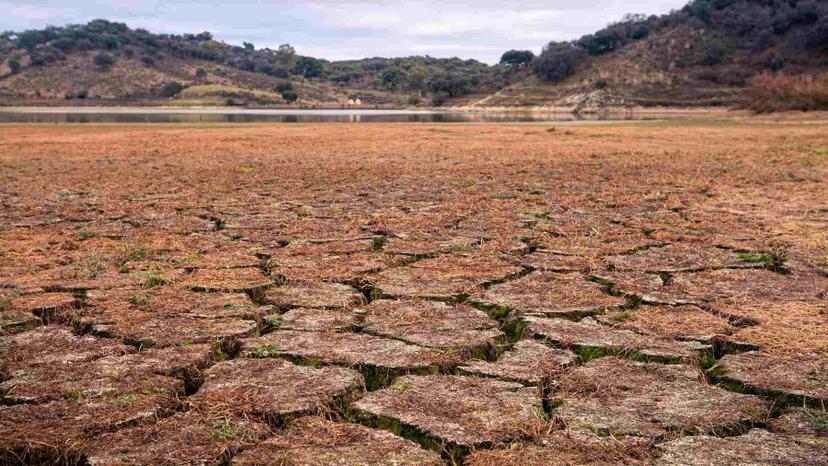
[108,61]
[701,55]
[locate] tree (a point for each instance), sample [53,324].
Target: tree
[392,77]
[211,50]
[559,60]
[308,67]
[284,87]
[249,47]
[416,79]
[200,73]
[453,84]
[14,65]
[290,96]
[286,55]
[171,89]
[516,59]
[104,60]
[440,98]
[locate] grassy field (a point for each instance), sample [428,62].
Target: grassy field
[415,294]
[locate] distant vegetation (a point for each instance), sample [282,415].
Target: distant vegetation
[774,93]
[765,31]
[110,40]
[726,43]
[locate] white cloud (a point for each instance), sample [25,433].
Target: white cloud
[347,29]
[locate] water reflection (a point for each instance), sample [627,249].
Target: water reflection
[148,115]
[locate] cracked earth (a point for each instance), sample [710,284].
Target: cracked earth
[414,294]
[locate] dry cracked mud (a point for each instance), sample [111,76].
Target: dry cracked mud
[591,339]
[454,411]
[184,438]
[565,448]
[379,359]
[275,390]
[486,294]
[802,377]
[432,324]
[528,362]
[313,294]
[445,277]
[619,397]
[313,441]
[754,447]
[551,295]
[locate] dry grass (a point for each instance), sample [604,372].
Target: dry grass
[137,231]
[778,93]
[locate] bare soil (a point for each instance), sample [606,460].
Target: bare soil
[488,294]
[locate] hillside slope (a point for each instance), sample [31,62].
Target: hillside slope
[77,80]
[108,62]
[701,55]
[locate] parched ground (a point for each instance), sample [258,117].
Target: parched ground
[415,294]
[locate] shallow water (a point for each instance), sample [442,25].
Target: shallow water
[167,115]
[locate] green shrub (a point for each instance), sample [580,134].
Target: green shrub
[14,65]
[290,96]
[104,60]
[171,89]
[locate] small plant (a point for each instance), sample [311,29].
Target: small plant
[623,316]
[312,361]
[75,395]
[219,352]
[236,306]
[136,253]
[225,430]
[588,353]
[85,235]
[86,269]
[275,322]
[127,399]
[820,422]
[774,260]
[754,258]
[265,350]
[647,231]
[378,243]
[5,304]
[139,299]
[778,259]
[153,278]
[405,387]
[708,360]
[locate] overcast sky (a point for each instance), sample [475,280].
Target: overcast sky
[481,29]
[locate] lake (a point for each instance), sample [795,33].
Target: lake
[168,115]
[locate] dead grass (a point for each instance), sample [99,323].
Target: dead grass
[777,93]
[138,232]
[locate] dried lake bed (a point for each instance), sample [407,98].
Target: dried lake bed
[414,294]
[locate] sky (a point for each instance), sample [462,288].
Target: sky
[347,29]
